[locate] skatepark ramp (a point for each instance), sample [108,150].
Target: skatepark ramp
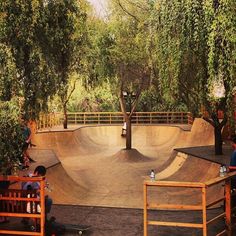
[96,170]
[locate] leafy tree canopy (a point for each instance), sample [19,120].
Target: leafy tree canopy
[11,134]
[20,27]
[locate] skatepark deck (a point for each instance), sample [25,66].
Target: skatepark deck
[92,168]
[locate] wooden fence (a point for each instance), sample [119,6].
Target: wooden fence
[22,203]
[85,118]
[203,188]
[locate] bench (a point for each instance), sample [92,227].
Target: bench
[23,204]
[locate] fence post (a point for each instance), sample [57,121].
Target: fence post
[42,204]
[228,206]
[204,213]
[145,209]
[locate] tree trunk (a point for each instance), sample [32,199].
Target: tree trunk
[218,140]
[128,134]
[65,117]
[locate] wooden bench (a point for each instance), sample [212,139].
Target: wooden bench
[23,204]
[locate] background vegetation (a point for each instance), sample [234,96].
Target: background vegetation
[58,55]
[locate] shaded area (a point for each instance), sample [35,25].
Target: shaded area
[105,221]
[208,153]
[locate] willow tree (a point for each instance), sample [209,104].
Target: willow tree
[191,38]
[221,23]
[10,128]
[63,38]
[20,26]
[10,135]
[9,84]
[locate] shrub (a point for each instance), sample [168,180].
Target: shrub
[11,137]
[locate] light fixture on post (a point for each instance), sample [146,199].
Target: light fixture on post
[129,98]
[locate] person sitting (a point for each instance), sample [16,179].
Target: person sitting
[39,171]
[123,129]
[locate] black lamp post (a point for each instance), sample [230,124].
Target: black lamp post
[129,98]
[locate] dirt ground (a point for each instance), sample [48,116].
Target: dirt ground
[129,222]
[108,221]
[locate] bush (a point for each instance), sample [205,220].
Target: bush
[11,137]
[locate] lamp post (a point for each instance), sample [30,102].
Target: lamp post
[129,98]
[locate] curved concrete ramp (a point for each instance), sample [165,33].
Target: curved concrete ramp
[96,170]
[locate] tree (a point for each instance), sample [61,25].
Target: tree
[63,38]
[129,58]
[8,82]
[20,27]
[194,53]
[221,63]
[10,134]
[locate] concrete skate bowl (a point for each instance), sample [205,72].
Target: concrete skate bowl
[95,169]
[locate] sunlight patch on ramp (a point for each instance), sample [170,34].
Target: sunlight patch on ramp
[173,167]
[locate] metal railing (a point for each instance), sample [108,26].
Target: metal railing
[84,118]
[202,188]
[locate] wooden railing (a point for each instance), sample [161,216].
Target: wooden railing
[202,188]
[14,204]
[84,118]
[49,120]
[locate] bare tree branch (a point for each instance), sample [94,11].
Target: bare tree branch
[70,94]
[126,11]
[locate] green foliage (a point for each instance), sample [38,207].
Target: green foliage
[222,47]
[84,99]
[129,52]
[195,47]
[11,134]
[97,62]
[150,100]
[64,27]
[20,27]
[8,81]
[181,51]
[62,41]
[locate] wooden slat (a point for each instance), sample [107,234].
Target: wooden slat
[215,218]
[215,202]
[174,184]
[21,179]
[173,206]
[26,199]
[12,214]
[219,179]
[222,233]
[19,232]
[175,224]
